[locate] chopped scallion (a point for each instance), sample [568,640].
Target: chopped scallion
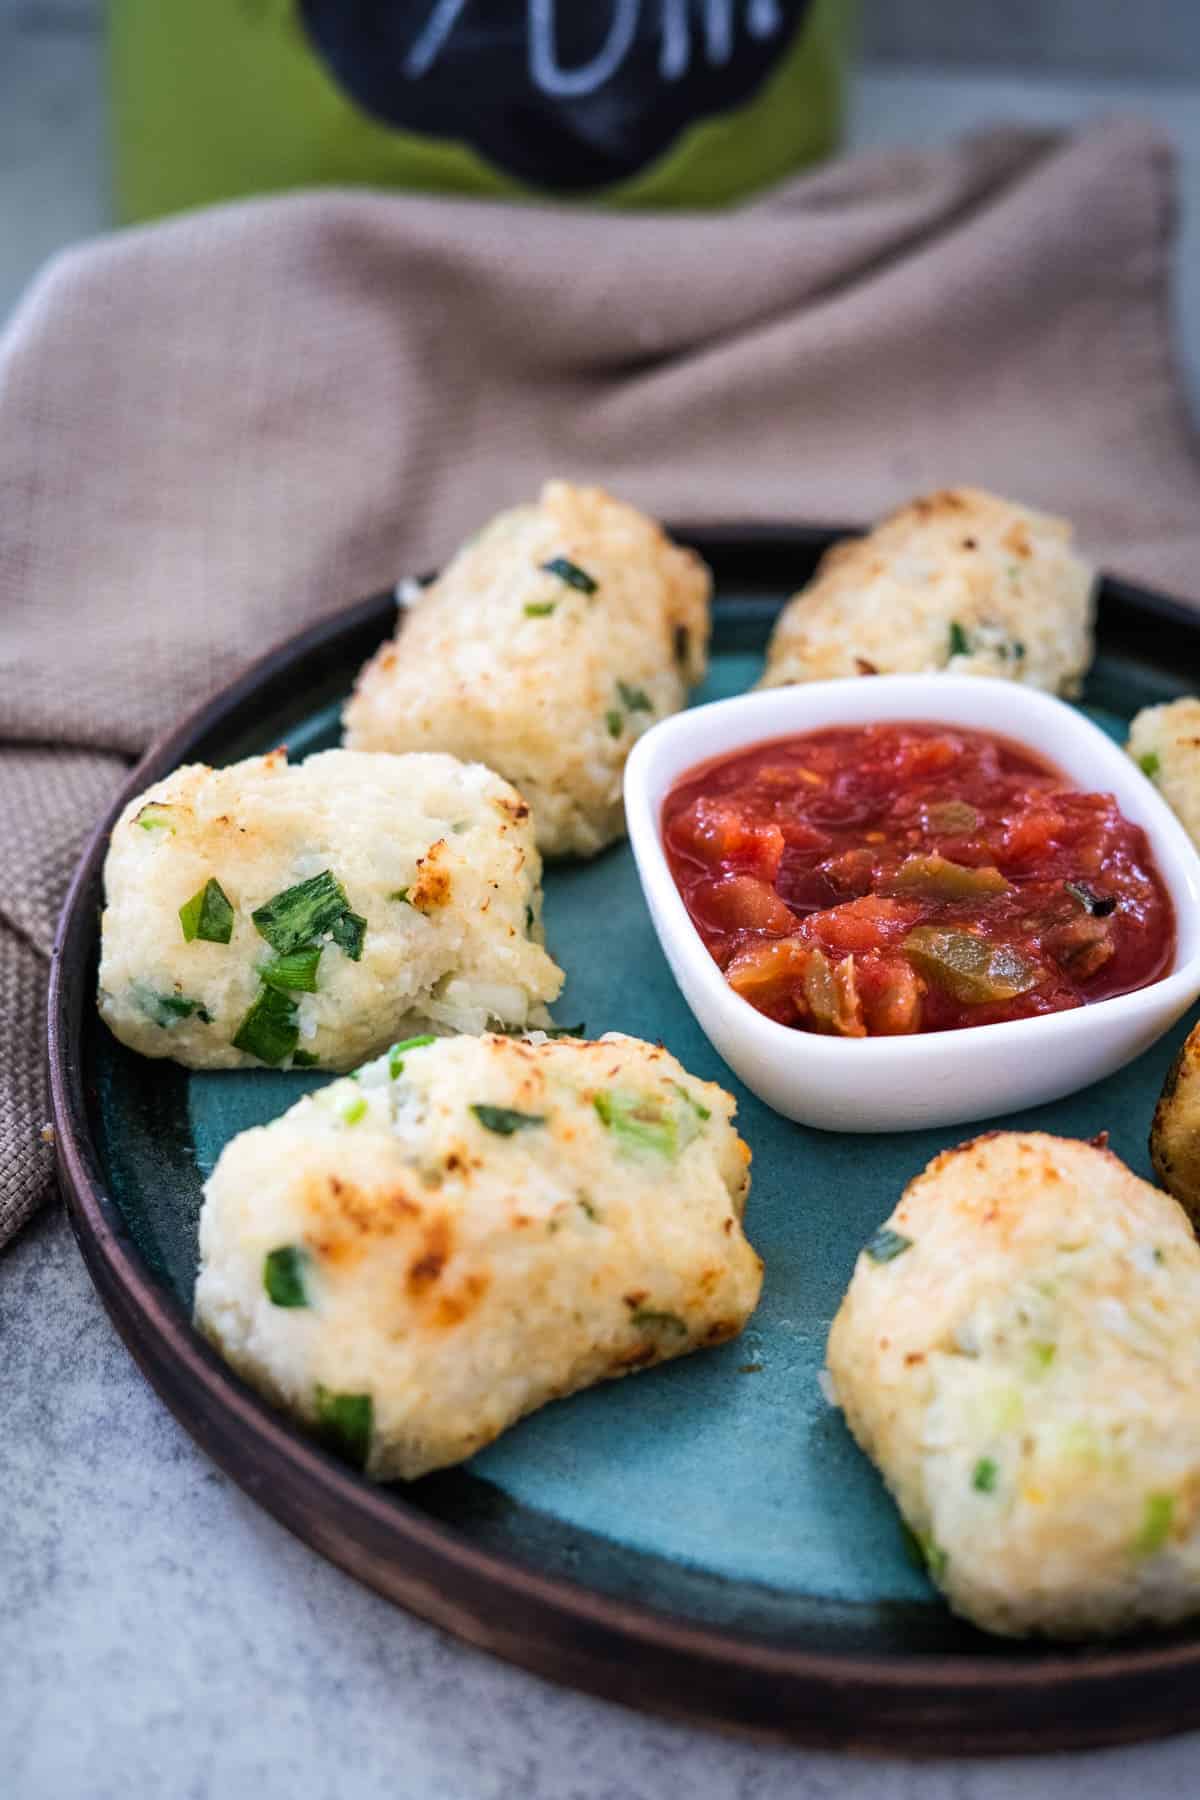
[167,1009]
[644,1122]
[634,699]
[397,1052]
[354,1109]
[960,644]
[1150,764]
[349,933]
[886,1245]
[505,1120]
[701,1111]
[304,1059]
[1158,1514]
[269,1030]
[571,573]
[923,1552]
[540,609]
[344,1423]
[615,723]
[302,914]
[154,817]
[208,915]
[283,1276]
[401,894]
[294,973]
[983,1477]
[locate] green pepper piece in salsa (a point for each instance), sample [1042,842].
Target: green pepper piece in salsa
[971,969]
[937,878]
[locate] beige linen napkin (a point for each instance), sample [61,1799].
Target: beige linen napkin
[213,430]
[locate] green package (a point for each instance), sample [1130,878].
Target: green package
[628,103]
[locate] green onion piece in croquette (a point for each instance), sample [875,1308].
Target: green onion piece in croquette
[283,1276]
[295,973]
[396,1053]
[886,1245]
[645,1122]
[634,699]
[1157,1516]
[504,1120]
[167,1009]
[344,1424]
[208,915]
[349,934]
[571,573]
[983,1476]
[269,1030]
[301,915]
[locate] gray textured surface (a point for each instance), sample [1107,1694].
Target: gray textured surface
[159,1636]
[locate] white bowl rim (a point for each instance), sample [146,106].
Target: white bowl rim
[873,699]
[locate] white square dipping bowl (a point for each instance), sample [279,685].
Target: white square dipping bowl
[935,1078]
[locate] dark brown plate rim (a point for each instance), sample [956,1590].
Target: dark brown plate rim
[912,1705]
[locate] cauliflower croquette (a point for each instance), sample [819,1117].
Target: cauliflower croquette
[1165,742]
[411,1260]
[546,647]
[1175,1131]
[961,581]
[1019,1353]
[303,914]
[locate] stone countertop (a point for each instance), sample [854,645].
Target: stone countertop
[161,1636]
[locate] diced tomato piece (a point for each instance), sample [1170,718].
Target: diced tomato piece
[852,872]
[800,834]
[914,757]
[787,777]
[716,833]
[742,903]
[892,992]
[1032,833]
[863,925]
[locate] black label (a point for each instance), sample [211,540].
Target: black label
[563,94]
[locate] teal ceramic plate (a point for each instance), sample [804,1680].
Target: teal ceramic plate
[703,1538]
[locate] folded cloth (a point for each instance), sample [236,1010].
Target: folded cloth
[213,430]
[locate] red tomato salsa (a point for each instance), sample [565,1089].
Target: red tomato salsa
[884,879]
